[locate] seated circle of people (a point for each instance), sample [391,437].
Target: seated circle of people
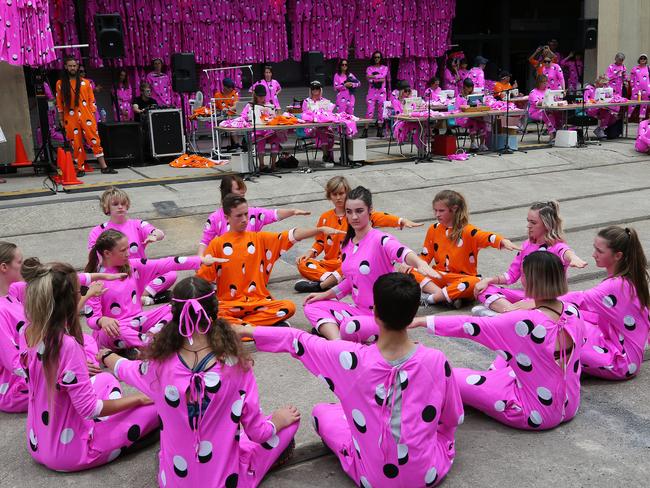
[242,281]
[399,404]
[366,254]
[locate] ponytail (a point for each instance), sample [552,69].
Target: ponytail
[452,199]
[106,241]
[549,214]
[633,263]
[358,193]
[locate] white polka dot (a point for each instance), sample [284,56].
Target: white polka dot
[364,482]
[269,254]
[632,367]
[4,387]
[598,349]
[114,454]
[544,393]
[114,395]
[499,405]
[521,328]
[431,475]
[163,478]
[227,250]
[460,242]
[66,436]
[358,418]
[523,359]
[237,407]
[472,379]
[535,417]
[180,463]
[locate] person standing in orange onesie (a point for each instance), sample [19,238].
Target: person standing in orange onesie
[451,246]
[75,102]
[325,273]
[241,282]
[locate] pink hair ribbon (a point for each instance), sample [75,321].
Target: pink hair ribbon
[187,326]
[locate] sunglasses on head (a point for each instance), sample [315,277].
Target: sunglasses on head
[547,61]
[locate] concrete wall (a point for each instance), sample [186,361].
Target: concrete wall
[14,114]
[623,25]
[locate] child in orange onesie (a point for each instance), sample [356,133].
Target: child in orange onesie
[324,274]
[241,282]
[75,102]
[451,247]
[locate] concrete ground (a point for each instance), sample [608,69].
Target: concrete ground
[607,444]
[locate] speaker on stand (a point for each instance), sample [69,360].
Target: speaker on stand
[313,64]
[109,34]
[184,80]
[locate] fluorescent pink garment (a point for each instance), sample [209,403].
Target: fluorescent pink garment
[121,301]
[515,271]
[474,125]
[606,115]
[25,33]
[553,120]
[527,389]
[450,80]
[617,329]
[136,232]
[415,450]
[642,143]
[403,130]
[377,77]
[477,75]
[64,430]
[573,71]
[13,387]
[319,111]
[217,224]
[125,102]
[214,452]
[640,83]
[555,76]
[52,114]
[161,87]
[362,264]
[344,96]
[272,90]
[617,75]
[433,95]
[263,137]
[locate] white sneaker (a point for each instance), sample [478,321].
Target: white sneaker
[146,300]
[483,148]
[599,132]
[425,300]
[483,311]
[473,146]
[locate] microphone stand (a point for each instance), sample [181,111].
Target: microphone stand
[582,140]
[428,155]
[256,173]
[506,148]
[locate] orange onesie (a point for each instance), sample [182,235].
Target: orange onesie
[241,282]
[457,260]
[501,87]
[226,102]
[315,270]
[79,122]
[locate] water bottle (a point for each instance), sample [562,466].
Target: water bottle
[102,115]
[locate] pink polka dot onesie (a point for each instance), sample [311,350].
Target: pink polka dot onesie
[161,87]
[553,120]
[642,143]
[377,77]
[136,232]
[344,95]
[616,329]
[13,387]
[217,224]
[515,272]
[555,76]
[64,430]
[617,75]
[527,387]
[640,84]
[229,442]
[121,301]
[362,264]
[396,420]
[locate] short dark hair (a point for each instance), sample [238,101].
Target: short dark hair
[467,82]
[231,201]
[397,298]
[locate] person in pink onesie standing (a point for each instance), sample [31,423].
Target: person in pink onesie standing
[554,74]
[366,254]
[124,97]
[477,74]
[203,386]
[345,84]
[534,383]
[545,233]
[552,120]
[616,310]
[640,85]
[272,87]
[117,317]
[161,84]
[452,78]
[617,74]
[399,404]
[573,67]
[258,217]
[116,203]
[74,422]
[378,76]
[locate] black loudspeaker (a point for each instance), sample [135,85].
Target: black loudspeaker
[184,73]
[166,132]
[122,143]
[589,33]
[110,35]
[313,65]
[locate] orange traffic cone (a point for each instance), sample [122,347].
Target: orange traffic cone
[21,155]
[69,172]
[60,163]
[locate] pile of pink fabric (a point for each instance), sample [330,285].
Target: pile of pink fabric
[350,121]
[236,123]
[495,104]
[25,32]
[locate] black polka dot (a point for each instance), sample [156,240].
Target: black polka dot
[134,433]
[391,471]
[435,246]
[400,251]
[143,260]
[429,413]
[474,232]
[45,417]
[329,382]
[231,481]
[316,424]
[447,369]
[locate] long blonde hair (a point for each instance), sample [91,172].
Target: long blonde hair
[51,307]
[453,199]
[549,214]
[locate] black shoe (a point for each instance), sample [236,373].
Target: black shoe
[109,171]
[364,134]
[81,173]
[380,131]
[266,170]
[306,286]
[162,297]
[282,323]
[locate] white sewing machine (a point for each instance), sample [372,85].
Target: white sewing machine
[477,91]
[447,97]
[604,94]
[411,104]
[553,98]
[261,113]
[513,93]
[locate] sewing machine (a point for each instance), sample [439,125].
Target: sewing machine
[262,114]
[511,94]
[475,99]
[604,94]
[447,97]
[553,98]
[412,104]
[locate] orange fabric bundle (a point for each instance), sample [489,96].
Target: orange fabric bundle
[194,161]
[283,120]
[200,112]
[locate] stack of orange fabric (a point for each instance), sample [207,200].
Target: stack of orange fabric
[283,120]
[200,112]
[194,161]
